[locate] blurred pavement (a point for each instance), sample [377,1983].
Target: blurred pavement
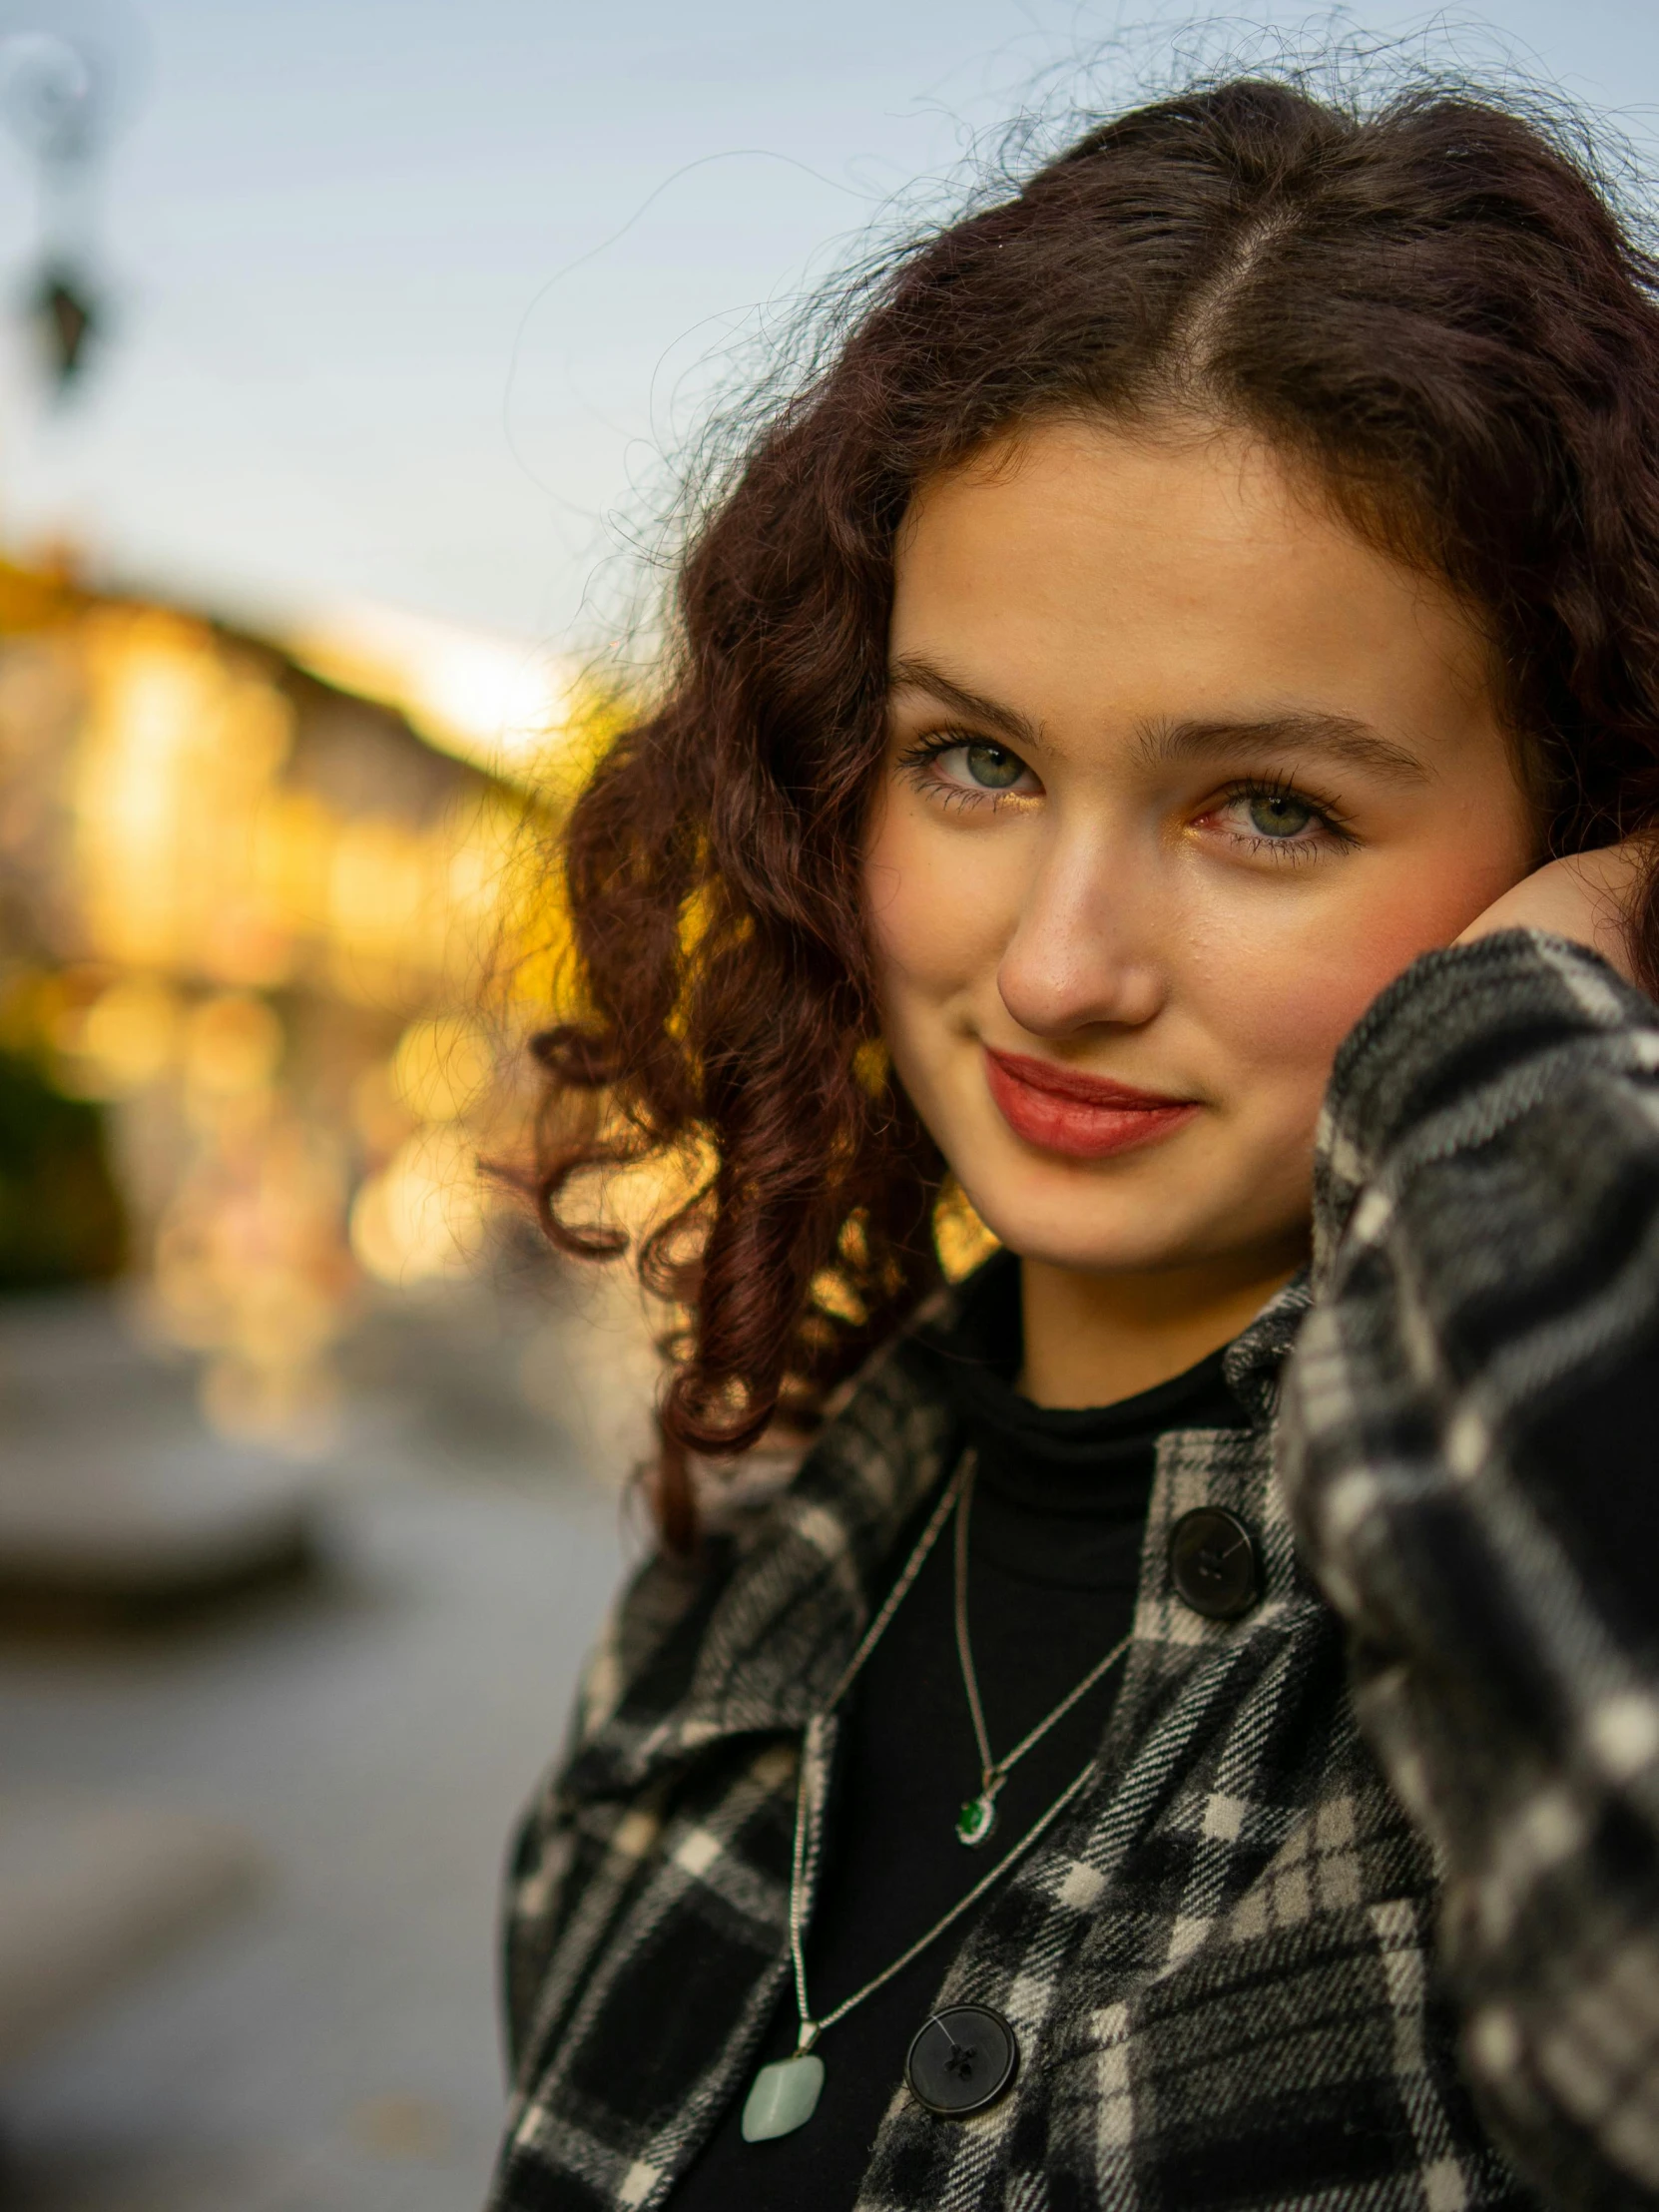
[372,1729]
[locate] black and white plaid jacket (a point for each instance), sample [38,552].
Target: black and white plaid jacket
[1247,1970]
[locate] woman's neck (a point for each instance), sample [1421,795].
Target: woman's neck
[1091,1339]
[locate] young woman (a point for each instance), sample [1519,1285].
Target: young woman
[1188,1736]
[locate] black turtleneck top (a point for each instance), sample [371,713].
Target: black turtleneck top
[1059,1515]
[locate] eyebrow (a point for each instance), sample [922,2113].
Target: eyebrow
[910,672]
[1342,738]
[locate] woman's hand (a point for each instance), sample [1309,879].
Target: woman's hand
[1585,896]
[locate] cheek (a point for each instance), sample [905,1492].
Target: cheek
[1286,1007]
[934,913]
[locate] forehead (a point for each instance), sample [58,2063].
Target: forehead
[1094,573]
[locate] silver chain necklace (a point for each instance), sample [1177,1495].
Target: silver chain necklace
[785,2095]
[978,1816]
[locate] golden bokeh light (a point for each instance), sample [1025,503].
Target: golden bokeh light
[264,904]
[233,1046]
[443,1068]
[963,1239]
[126,1038]
[422,1217]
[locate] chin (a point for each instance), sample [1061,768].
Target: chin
[1173,1206]
[1091,1232]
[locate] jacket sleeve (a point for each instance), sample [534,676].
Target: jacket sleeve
[1471,1456]
[580,1810]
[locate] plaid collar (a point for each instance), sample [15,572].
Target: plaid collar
[771,1630]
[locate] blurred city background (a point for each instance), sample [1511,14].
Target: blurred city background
[345,352]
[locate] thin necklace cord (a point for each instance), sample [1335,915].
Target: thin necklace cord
[808,1811]
[994,1772]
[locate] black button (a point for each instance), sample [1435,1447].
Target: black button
[962,2060]
[1212,1562]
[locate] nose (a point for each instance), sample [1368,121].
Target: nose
[1084,950]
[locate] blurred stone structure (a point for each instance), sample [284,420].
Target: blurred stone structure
[287,934]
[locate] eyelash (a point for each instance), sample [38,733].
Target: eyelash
[1283,849]
[917,758]
[920,757]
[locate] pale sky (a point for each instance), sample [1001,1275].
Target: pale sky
[403,290]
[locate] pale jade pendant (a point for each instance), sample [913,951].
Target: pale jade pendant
[782,2097]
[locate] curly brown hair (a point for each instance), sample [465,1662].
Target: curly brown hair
[1431,300]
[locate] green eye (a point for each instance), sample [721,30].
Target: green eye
[1279,815]
[993,766]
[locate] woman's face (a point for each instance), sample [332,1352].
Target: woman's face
[1179,773]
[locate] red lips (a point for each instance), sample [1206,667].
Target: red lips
[1086,1116]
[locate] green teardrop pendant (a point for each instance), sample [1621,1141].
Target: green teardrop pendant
[782,2097]
[977,1820]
